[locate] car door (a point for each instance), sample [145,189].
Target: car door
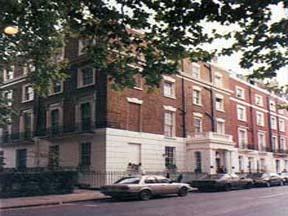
[274,179]
[152,184]
[166,186]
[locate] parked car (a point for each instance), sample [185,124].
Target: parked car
[284,176]
[266,179]
[144,187]
[221,182]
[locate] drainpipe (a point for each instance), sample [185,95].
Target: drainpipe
[183,102]
[212,98]
[269,123]
[252,120]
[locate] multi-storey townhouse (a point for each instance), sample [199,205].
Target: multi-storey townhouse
[256,129]
[199,120]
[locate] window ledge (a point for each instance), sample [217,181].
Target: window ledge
[138,88]
[220,110]
[25,101]
[83,86]
[171,97]
[170,138]
[200,105]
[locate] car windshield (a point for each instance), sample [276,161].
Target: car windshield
[128,180]
[257,175]
[214,177]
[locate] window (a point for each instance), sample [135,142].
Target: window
[86,76]
[242,138]
[272,105]
[2,159]
[83,44]
[170,157]
[273,122]
[218,80]
[21,158]
[85,154]
[197,97]
[27,124]
[241,113]
[150,180]
[169,123]
[197,125]
[85,109]
[240,93]
[8,73]
[8,95]
[261,141]
[274,143]
[54,121]
[28,93]
[258,100]
[219,103]
[169,89]
[259,118]
[138,82]
[281,111]
[195,71]
[57,87]
[282,125]
[198,162]
[53,157]
[220,126]
[241,164]
[282,143]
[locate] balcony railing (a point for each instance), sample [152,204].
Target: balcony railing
[213,135]
[56,131]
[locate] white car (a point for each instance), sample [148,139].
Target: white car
[144,187]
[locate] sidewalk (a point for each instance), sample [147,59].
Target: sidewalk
[78,195]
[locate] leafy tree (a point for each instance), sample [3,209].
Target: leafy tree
[167,31]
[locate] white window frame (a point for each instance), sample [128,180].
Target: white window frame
[245,143]
[52,107]
[201,123]
[274,145]
[197,89]
[283,143]
[24,93]
[218,79]
[196,71]
[81,45]
[51,92]
[173,118]
[244,113]
[80,77]
[260,121]
[8,94]
[222,104]
[172,90]
[282,125]
[222,121]
[5,73]
[242,94]
[91,101]
[21,128]
[263,140]
[272,105]
[273,122]
[259,100]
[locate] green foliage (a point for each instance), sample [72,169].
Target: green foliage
[167,31]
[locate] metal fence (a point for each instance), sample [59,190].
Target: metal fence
[96,179]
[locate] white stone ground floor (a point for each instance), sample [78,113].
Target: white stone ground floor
[112,150]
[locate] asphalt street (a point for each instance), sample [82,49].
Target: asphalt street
[254,202]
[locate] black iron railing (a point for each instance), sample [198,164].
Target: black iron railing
[55,131]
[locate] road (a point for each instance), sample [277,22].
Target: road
[254,202]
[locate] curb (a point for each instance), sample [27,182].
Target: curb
[50,203]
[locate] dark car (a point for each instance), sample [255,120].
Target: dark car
[284,176]
[266,179]
[221,182]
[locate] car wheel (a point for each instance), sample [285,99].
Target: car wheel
[145,195]
[183,191]
[268,184]
[249,185]
[227,187]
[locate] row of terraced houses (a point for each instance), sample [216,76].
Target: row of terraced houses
[200,120]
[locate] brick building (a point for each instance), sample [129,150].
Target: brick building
[198,120]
